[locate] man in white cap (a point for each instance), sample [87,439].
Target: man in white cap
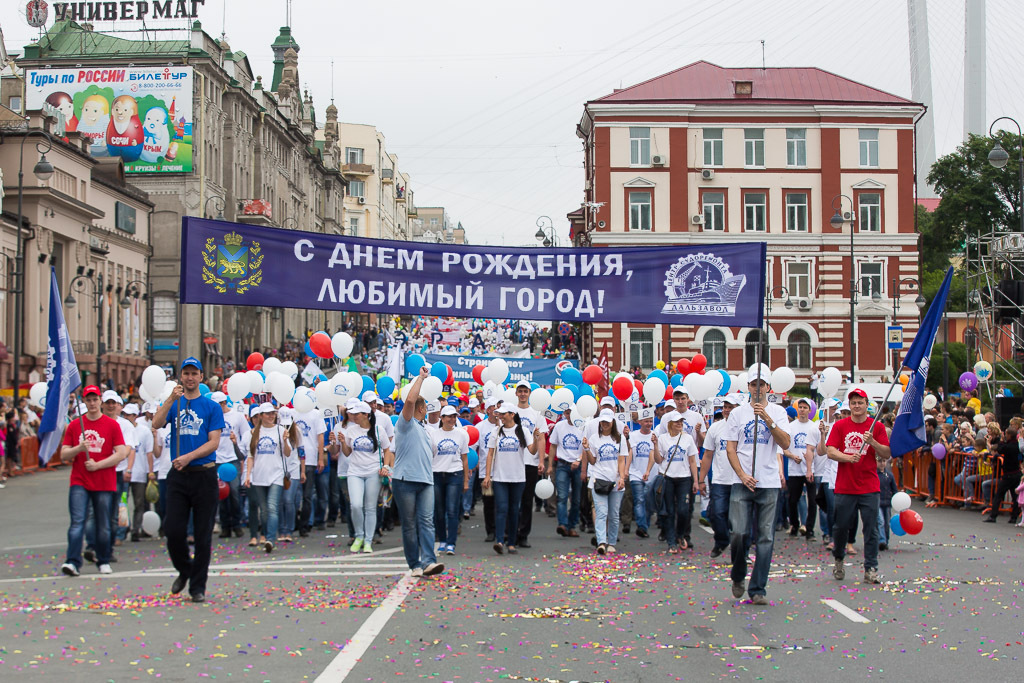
[536,464]
[644,446]
[313,457]
[112,405]
[716,461]
[228,453]
[433,420]
[142,467]
[756,432]
[805,437]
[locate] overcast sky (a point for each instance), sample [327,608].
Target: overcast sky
[480,100]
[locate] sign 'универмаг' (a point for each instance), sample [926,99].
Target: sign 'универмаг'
[242,265]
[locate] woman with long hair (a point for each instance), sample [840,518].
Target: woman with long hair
[269,447]
[677,454]
[506,473]
[606,454]
[451,477]
[292,497]
[366,446]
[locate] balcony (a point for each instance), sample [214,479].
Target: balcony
[360,170]
[255,212]
[387,175]
[83,347]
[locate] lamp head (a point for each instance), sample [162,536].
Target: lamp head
[43,169]
[69,301]
[837,220]
[998,156]
[539,234]
[876,296]
[919,302]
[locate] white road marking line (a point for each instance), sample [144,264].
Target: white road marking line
[34,546]
[172,573]
[707,529]
[846,611]
[341,666]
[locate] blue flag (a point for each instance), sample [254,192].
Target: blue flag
[908,433]
[62,377]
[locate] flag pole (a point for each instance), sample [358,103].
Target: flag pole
[871,427]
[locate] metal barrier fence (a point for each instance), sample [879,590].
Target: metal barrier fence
[922,474]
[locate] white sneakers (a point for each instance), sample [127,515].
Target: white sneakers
[417,572]
[69,569]
[105,569]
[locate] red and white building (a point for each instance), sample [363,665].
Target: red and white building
[707,154]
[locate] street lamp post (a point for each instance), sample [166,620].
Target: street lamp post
[777,291]
[837,221]
[42,170]
[546,234]
[78,285]
[999,156]
[912,284]
[132,290]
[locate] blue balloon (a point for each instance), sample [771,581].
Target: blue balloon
[472,459]
[321,377]
[585,390]
[203,389]
[227,472]
[575,389]
[660,374]
[385,386]
[571,376]
[726,383]
[677,379]
[309,351]
[534,385]
[413,363]
[440,371]
[895,526]
[394,419]
[368,385]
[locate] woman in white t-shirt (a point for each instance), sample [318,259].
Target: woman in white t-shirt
[677,454]
[162,465]
[291,499]
[451,477]
[606,468]
[567,440]
[366,446]
[265,468]
[506,473]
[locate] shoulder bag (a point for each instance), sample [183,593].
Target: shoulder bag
[284,461]
[659,488]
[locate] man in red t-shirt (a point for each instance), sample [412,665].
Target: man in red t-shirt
[93,479]
[857,451]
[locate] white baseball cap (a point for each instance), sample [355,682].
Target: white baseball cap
[474,402]
[673,416]
[766,373]
[149,407]
[523,383]
[131,409]
[267,407]
[111,395]
[607,401]
[505,408]
[370,397]
[218,396]
[732,399]
[606,416]
[360,407]
[449,410]
[491,402]
[433,406]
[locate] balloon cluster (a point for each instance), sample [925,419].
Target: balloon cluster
[904,521]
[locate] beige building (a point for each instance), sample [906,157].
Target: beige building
[433,224]
[378,202]
[94,229]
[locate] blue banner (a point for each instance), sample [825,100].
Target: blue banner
[62,377]
[233,264]
[539,370]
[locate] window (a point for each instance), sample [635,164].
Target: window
[14,104]
[799,352]
[796,212]
[798,278]
[356,188]
[870,277]
[753,146]
[713,154]
[714,210]
[639,146]
[796,146]
[433,221]
[353,155]
[869,205]
[868,147]
[639,210]
[750,351]
[755,208]
[353,225]
[165,313]
[714,348]
[641,348]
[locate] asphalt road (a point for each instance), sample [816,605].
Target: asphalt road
[948,608]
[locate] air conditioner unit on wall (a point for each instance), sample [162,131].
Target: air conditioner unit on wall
[707,174]
[657,160]
[362,200]
[804,303]
[697,219]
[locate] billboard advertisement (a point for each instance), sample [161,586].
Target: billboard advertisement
[141,114]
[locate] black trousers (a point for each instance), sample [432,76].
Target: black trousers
[526,505]
[1006,483]
[795,487]
[192,491]
[489,514]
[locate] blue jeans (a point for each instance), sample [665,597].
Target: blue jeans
[363,493]
[112,508]
[758,506]
[231,507]
[883,524]
[415,502]
[826,512]
[677,492]
[314,480]
[567,486]
[469,495]
[507,498]
[78,503]
[606,516]
[652,505]
[718,513]
[292,502]
[639,489]
[447,500]
[264,503]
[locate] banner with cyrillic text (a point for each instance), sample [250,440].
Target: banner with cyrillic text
[540,370]
[234,264]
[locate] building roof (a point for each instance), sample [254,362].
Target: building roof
[929,203]
[704,82]
[67,38]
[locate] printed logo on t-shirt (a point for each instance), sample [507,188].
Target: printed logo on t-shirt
[608,451]
[189,423]
[528,424]
[447,447]
[508,444]
[304,427]
[94,440]
[363,444]
[854,442]
[800,440]
[762,432]
[571,442]
[266,446]
[674,453]
[642,450]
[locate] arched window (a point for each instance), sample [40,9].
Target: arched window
[750,352]
[714,348]
[799,352]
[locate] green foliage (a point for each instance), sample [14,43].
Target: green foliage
[957,365]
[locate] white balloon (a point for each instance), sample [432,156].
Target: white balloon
[255,382]
[403,393]
[271,365]
[304,400]
[578,420]
[900,502]
[509,396]
[490,388]
[325,396]
[146,396]
[37,394]
[829,383]
[929,401]
[699,387]
[690,384]
[290,368]
[742,381]
[341,344]
[280,386]
[151,523]
[499,370]
[153,379]
[654,390]
[431,388]
[783,380]
[544,489]
[238,386]
[562,398]
[586,407]
[540,400]
[353,383]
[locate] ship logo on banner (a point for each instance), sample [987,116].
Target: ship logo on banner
[232,266]
[702,284]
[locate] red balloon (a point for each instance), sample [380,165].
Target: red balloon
[698,363]
[623,388]
[639,386]
[592,374]
[254,361]
[463,387]
[668,393]
[478,374]
[474,434]
[683,367]
[223,490]
[321,345]
[911,522]
[451,377]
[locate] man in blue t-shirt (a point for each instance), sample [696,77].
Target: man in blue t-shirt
[196,423]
